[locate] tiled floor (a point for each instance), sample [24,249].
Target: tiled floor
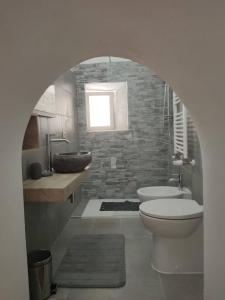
[142,281]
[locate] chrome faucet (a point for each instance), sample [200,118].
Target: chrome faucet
[49,141]
[178,180]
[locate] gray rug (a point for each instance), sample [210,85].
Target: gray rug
[93,261]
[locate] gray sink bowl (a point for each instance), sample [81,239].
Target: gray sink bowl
[71,162]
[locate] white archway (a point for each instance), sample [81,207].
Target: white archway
[183,41]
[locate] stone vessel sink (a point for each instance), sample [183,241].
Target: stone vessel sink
[71,162]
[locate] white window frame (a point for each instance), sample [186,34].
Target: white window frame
[112,119]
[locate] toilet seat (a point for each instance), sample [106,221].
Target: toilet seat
[174,209]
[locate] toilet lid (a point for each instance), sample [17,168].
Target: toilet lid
[172,208]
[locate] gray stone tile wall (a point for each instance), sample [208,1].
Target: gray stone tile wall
[143,152]
[192,175]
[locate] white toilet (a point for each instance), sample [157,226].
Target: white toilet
[177,230]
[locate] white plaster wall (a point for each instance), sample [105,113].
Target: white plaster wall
[183,41]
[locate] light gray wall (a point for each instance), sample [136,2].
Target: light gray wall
[143,151]
[182,41]
[192,175]
[193,178]
[44,221]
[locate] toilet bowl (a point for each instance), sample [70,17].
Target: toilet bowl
[159,192]
[176,225]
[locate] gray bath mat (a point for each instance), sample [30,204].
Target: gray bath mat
[93,261]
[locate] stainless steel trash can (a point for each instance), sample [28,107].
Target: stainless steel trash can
[40,274]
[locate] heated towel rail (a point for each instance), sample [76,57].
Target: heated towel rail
[180,127]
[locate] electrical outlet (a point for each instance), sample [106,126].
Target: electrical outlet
[113,162]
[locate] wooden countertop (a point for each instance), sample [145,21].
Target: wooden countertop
[55,188]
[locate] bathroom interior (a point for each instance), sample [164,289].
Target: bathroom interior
[135,141]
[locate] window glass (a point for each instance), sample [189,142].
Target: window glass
[99,110]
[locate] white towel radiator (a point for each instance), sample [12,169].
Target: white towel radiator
[180,127]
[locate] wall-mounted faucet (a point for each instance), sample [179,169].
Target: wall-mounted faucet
[178,178]
[179,160]
[49,140]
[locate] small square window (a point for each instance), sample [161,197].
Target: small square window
[106,106]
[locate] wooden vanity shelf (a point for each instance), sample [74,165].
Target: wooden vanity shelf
[56,188]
